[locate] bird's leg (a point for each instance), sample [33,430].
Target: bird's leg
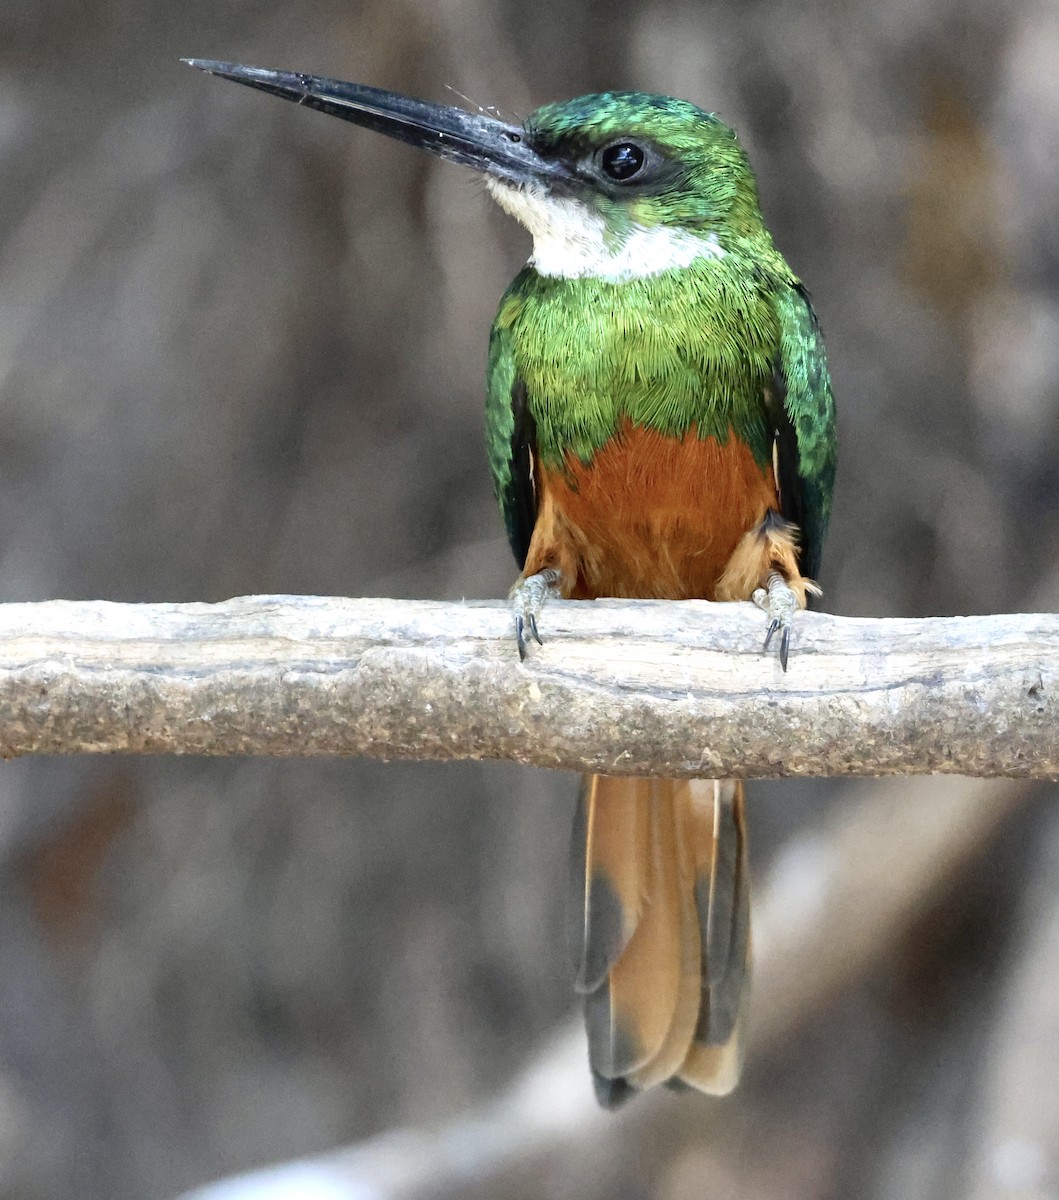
[764,568]
[779,601]
[527,600]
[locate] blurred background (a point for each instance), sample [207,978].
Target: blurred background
[242,350]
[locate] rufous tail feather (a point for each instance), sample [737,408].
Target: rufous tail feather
[662,896]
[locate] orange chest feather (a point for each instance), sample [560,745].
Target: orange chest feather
[650,515]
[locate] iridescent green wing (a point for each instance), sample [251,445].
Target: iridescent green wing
[803,413]
[510,440]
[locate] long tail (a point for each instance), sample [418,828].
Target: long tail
[660,882]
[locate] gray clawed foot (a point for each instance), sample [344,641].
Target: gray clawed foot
[527,600]
[780,604]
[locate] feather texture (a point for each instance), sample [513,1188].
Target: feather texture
[669,1005]
[610,872]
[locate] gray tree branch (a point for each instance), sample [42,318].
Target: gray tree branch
[619,686]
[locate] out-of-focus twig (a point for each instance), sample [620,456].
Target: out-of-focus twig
[836,903]
[1017,1150]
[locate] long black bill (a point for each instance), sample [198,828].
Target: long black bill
[474,140]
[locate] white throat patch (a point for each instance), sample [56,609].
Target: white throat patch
[569,239]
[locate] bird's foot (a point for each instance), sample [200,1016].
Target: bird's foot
[527,600]
[780,603]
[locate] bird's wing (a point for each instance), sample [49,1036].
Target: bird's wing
[802,410]
[511,441]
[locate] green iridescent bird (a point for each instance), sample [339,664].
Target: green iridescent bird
[660,424]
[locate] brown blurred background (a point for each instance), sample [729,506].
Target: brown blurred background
[242,350]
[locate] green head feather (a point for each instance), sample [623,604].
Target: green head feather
[693,173]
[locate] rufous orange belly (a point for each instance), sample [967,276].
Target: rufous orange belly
[650,516]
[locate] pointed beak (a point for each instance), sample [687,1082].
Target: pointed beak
[476,141]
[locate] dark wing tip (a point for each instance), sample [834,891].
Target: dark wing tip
[611,1093]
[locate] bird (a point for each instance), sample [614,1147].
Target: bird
[660,424]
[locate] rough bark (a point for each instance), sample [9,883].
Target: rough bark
[624,687]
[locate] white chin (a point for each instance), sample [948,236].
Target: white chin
[570,239]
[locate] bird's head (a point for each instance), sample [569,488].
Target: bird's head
[641,183]
[617,185]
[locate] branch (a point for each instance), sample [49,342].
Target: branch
[625,687]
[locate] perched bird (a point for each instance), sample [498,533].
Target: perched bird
[660,424]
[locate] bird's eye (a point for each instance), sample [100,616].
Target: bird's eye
[622,161]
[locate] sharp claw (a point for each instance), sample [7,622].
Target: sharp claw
[780,603]
[527,598]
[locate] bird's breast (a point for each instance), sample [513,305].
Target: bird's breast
[649,515]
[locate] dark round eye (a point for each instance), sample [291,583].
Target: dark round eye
[622,161]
